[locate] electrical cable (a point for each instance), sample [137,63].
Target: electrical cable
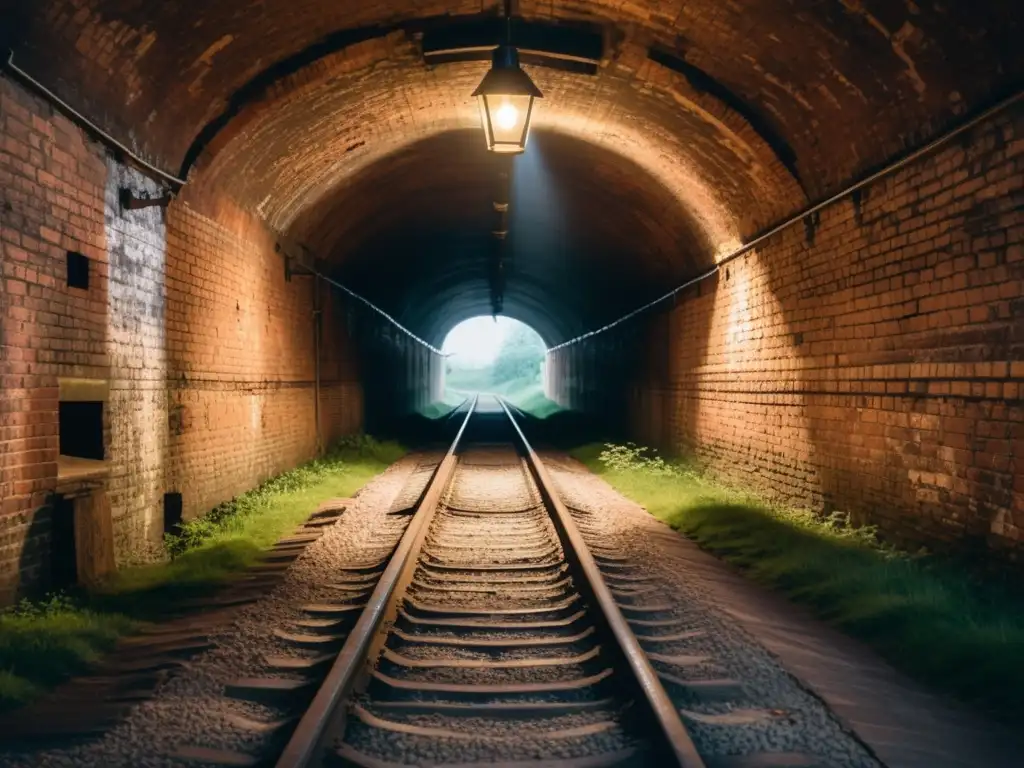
[887,171]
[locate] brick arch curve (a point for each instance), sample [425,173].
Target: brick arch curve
[843,85]
[354,108]
[591,233]
[740,112]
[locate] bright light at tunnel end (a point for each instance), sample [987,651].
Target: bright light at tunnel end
[477,341]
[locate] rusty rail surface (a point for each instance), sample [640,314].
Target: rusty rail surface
[677,747]
[326,714]
[325,717]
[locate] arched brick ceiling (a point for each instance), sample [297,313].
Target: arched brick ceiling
[566,195]
[823,73]
[591,233]
[288,103]
[324,124]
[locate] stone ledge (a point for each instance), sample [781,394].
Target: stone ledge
[84,390]
[76,475]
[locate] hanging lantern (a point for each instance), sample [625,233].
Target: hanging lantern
[506,96]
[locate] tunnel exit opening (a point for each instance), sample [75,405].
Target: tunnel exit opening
[495,355]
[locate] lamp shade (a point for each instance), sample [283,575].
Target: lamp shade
[506,96]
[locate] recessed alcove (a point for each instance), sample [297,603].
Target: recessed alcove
[81,529]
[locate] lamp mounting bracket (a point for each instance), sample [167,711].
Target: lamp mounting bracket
[576,47]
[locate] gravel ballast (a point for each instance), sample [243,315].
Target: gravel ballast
[774,714]
[767,710]
[490,518]
[190,709]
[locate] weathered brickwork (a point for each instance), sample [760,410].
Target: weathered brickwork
[301,109]
[137,445]
[399,374]
[207,349]
[240,342]
[866,361]
[869,362]
[435,230]
[298,108]
[824,73]
[341,391]
[51,201]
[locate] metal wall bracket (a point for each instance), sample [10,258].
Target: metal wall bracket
[294,268]
[130,202]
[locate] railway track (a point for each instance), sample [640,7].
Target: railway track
[491,637]
[482,630]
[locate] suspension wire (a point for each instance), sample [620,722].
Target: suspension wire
[810,211]
[91,127]
[365,302]
[508,22]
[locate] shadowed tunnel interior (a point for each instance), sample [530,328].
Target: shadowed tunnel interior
[697,129]
[591,234]
[342,137]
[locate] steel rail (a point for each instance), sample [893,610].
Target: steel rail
[325,717]
[306,747]
[676,744]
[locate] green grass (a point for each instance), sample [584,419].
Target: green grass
[526,393]
[531,399]
[43,643]
[452,399]
[469,379]
[937,622]
[46,642]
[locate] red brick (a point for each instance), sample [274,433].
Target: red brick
[844,433]
[226,366]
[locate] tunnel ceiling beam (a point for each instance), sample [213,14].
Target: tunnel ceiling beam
[578,47]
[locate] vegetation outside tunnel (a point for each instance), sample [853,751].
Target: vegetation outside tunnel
[512,369]
[955,631]
[44,642]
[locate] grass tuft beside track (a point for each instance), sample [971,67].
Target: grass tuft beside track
[45,642]
[953,631]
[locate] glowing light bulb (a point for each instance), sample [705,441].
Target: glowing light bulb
[507,116]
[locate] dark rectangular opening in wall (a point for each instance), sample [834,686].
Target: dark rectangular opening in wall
[81,429]
[173,509]
[78,270]
[63,554]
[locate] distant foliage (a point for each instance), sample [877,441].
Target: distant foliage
[520,357]
[516,367]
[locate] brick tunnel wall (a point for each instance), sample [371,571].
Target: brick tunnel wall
[596,376]
[870,361]
[400,374]
[207,349]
